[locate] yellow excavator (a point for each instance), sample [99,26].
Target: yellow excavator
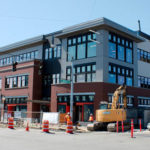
[106,116]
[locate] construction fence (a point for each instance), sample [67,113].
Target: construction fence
[34,118]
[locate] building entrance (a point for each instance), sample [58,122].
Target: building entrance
[82,111]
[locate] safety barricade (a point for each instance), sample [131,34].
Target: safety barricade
[45,126]
[69,128]
[10,123]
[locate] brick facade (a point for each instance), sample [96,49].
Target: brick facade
[34,89]
[101,90]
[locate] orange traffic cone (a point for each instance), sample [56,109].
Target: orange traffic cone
[27,128]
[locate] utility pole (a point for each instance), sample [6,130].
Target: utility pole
[72,89]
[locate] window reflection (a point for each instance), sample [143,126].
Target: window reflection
[112,50]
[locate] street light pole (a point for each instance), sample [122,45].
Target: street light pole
[72,89]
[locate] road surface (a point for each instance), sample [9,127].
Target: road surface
[19,139]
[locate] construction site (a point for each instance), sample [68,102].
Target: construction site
[110,126]
[81,86]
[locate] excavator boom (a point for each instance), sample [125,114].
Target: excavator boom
[119,90]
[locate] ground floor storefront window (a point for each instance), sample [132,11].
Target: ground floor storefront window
[82,107]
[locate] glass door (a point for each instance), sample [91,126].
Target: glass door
[88,109]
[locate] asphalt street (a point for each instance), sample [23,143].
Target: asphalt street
[19,139]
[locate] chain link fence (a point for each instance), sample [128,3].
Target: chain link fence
[21,118]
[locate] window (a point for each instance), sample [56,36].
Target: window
[84,73]
[51,53]
[23,80]
[56,78]
[143,102]
[17,81]
[71,53]
[21,57]
[112,78]
[8,60]
[58,51]
[121,49]
[129,81]
[120,79]
[81,51]
[32,55]
[112,50]
[91,49]
[46,53]
[119,74]
[143,82]
[130,99]
[36,54]
[120,52]
[25,57]
[5,61]
[143,55]
[28,56]
[55,52]
[83,46]
[80,77]
[129,55]
[11,83]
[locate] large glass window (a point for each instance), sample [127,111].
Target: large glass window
[84,46]
[119,47]
[85,73]
[71,53]
[129,81]
[120,79]
[81,51]
[120,75]
[120,52]
[91,49]
[112,78]
[80,77]
[112,50]
[129,55]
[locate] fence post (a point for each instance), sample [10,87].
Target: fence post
[122,126]
[117,127]
[132,128]
[140,125]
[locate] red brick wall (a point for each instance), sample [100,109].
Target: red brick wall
[34,89]
[101,92]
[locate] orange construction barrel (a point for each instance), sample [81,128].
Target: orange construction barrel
[10,123]
[69,127]
[45,126]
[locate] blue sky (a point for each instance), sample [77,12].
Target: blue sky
[22,19]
